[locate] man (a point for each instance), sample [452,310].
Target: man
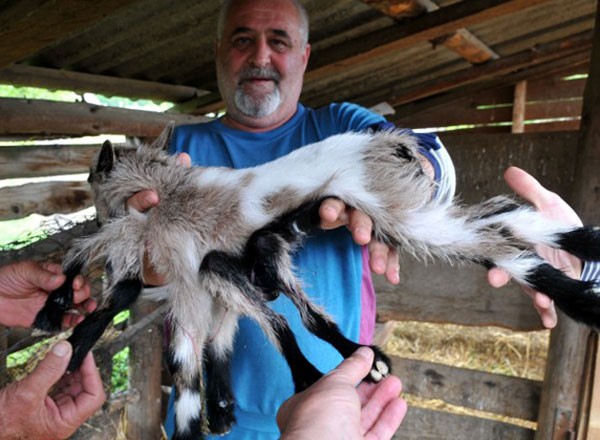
[48,404]
[262,52]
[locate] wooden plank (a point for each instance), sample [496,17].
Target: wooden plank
[529,73]
[462,41]
[495,393]
[32,76]
[554,109]
[144,417]
[555,87]
[21,116]
[524,59]
[518,113]
[593,429]
[425,28]
[566,356]
[398,8]
[490,106]
[468,46]
[47,160]
[51,248]
[44,198]
[554,126]
[32,25]
[426,424]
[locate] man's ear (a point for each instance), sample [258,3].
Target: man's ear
[106,159]
[163,141]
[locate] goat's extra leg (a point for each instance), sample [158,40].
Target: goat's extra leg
[50,317]
[229,274]
[85,335]
[269,257]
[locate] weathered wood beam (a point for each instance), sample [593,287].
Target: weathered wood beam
[546,53]
[44,198]
[29,117]
[519,105]
[566,356]
[47,160]
[463,42]
[31,76]
[423,423]
[538,71]
[424,28]
[28,26]
[483,391]
[51,248]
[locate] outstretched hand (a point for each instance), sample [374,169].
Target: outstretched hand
[553,207]
[24,287]
[336,408]
[49,403]
[382,259]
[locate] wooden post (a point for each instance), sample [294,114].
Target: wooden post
[145,365]
[566,357]
[519,102]
[3,354]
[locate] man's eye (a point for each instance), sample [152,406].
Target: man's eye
[279,45]
[242,42]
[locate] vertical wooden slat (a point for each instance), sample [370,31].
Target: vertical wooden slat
[519,102]
[593,423]
[566,357]
[3,353]
[144,417]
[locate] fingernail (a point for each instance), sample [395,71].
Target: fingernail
[61,349]
[365,352]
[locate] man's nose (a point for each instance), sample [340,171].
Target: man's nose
[261,55]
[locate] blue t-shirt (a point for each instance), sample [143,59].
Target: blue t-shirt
[333,269]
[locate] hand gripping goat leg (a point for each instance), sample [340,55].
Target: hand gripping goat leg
[218,271]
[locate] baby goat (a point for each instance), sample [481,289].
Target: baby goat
[218,270]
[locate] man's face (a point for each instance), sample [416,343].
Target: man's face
[261,60]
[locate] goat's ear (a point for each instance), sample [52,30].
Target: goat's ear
[106,158]
[163,141]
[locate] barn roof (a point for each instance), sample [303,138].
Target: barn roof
[407,53]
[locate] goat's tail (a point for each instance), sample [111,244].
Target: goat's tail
[502,233]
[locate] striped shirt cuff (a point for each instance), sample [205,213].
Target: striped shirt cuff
[591,271]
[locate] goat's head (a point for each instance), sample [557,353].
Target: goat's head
[114,170]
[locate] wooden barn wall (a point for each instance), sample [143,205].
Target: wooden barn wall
[553,103]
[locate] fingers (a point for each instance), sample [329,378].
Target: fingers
[184,160]
[143,201]
[498,277]
[49,370]
[92,394]
[355,368]
[43,276]
[545,308]
[384,409]
[384,260]
[333,214]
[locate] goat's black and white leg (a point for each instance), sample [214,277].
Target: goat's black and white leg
[511,232]
[123,294]
[185,364]
[228,276]
[50,317]
[220,401]
[268,254]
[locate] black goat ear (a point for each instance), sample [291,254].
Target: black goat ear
[106,158]
[163,141]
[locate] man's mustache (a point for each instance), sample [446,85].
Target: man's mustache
[259,72]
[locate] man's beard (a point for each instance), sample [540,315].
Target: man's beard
[258,107]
